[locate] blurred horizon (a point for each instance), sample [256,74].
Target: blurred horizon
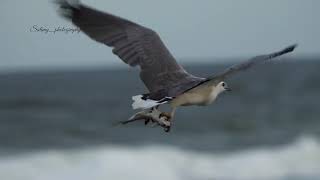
[186,62]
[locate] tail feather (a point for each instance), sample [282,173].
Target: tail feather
[140,103]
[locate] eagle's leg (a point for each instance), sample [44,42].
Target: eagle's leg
[168,116]
[153,115]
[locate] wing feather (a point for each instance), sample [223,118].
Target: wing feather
[250,63]
[132,43]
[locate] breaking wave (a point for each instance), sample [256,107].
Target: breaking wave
[299,160]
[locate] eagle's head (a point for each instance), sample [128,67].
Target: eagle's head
[222,86]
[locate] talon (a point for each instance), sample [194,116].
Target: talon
[166,121]
[164,114]
[167,128]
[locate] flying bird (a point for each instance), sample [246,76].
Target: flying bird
[167,81]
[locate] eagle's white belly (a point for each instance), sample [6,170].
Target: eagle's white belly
[203,95]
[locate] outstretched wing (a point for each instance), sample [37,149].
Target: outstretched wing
[251,62]
[133,43]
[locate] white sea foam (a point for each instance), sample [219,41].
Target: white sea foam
[300,159]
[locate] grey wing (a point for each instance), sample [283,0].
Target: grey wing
[133,43]
[251,62]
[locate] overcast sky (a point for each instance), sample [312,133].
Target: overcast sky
[206,29]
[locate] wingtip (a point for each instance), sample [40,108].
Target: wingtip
[64,3]
[66,8]
[290,48]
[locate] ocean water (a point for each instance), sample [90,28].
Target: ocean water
[60,125]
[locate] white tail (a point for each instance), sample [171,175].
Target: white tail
[139,103]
